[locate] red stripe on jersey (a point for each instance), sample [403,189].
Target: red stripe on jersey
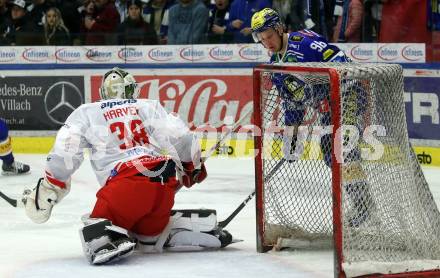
[56,182]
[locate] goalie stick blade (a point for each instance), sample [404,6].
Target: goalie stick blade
[13,202]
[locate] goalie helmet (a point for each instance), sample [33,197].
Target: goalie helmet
[118,83]
[263,20]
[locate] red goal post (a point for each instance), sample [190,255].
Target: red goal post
[356,247]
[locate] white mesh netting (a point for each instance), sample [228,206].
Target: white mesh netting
[390,222]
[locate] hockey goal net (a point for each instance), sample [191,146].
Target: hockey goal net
[353,182]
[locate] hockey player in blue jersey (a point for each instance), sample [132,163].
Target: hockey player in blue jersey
[297,97]
[300,46]
[10,166]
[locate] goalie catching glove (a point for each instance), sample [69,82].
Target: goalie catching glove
[190,175]
[40,201]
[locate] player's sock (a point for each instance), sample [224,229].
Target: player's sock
[15,168]
[360,196]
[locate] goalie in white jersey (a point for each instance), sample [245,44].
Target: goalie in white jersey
[140,155]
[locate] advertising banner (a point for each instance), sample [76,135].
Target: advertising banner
[198,99]
[36,55]
[422,95]
[385,52]
[203,53]
[39,102]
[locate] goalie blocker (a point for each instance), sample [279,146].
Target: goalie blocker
[187,230]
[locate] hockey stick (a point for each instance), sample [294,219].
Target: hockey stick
[12,202]
[274,169]
[223,138]
[221,141]
[225,222]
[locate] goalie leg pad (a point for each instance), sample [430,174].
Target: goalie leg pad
[104,242]
[198,241]
[153,244]
[195,230]
[192,241]
[148,244]
[197,220]
[188,230]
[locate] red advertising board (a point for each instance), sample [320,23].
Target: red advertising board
[198,99]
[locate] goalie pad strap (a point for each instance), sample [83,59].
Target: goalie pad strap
[194,220]
[5,147]
[153,244]
[54,181]
[100,227]
[200,212]
[164,235]
[96,230]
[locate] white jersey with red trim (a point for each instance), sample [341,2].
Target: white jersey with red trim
[116,131]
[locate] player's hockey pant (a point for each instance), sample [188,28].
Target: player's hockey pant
[136,204]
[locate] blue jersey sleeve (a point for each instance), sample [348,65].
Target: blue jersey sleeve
[316,48]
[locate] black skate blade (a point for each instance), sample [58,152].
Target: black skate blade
[236,240]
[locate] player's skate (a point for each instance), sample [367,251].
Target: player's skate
[15,168]
[362,203]
[104,242]
[360,215]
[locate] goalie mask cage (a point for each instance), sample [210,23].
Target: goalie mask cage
[368,199]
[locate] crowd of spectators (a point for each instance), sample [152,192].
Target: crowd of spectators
[149,22]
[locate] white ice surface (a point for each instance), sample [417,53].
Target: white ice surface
[53,249]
